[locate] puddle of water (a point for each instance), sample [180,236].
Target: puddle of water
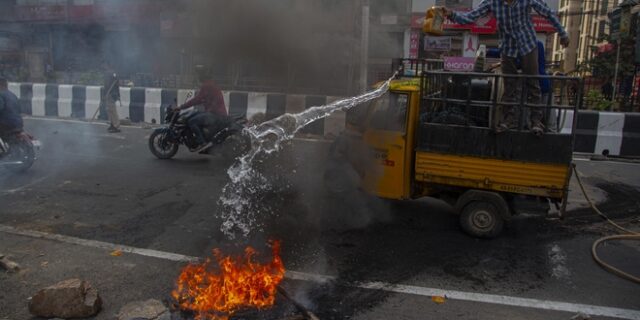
[240,207]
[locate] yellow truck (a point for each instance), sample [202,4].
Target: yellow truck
[432,135]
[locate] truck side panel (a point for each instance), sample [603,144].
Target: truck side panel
[537,179]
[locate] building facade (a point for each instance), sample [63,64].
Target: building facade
[588,27]
[319,46]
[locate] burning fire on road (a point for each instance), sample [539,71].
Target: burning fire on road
[217,290]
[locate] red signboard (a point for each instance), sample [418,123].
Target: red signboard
[542,24]
[485,25]
[414,44]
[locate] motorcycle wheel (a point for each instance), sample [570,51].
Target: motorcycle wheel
[23,152]
[160,147]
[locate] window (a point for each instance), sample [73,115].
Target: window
[390,112]
[601,30]
[605,7]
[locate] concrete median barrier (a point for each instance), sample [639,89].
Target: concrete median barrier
[609,133]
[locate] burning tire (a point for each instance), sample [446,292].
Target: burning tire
[161,146]
[481,219]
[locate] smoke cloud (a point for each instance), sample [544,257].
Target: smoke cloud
[300,44]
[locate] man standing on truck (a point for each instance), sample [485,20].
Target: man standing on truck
[517,39]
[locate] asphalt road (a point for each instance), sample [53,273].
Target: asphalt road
[93,185]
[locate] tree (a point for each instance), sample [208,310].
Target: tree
[603,64]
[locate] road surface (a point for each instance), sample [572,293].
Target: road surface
[382,262]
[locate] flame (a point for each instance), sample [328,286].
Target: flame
[237,283]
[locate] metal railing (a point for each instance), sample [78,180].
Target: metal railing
[476,99]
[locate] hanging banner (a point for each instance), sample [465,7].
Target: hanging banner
[414,44]
[470,45]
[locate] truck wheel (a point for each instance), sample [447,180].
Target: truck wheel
[481,219]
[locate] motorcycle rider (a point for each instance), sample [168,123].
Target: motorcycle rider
[214,116]
[10,118]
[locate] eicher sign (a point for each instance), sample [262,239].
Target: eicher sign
[459,63]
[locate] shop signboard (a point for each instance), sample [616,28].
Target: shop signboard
[470,44]
[459,64]
[414,44]
[489,25]
[432,43]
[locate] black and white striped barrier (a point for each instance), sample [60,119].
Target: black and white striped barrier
[611,133]
[149,104]
[608,133]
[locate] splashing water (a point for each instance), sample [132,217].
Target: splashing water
[238,199]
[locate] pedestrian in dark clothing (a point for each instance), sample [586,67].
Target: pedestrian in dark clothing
[517,39]
[607,89]
[111,95]
[10,118]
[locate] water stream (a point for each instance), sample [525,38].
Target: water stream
[239,204]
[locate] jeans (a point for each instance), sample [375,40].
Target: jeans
[512,87]
[212,122]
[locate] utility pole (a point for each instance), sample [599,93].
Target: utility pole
[364,43]
[615,74]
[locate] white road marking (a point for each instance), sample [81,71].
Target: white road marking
[18,189]
[389,287]
[98,244]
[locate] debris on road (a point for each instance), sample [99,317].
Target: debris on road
[149,310]
[116,253]
[8,265]
[438,299]
[73,298]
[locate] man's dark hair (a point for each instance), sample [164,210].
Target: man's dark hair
[3,83]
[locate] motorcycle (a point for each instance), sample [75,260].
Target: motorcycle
[17,150]
[164,142]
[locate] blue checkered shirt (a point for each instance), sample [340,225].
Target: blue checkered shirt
[517,34]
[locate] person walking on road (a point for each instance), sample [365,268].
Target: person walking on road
[517,39]
[111,95]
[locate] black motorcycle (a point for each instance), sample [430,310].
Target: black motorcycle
[164,142]
[17,150]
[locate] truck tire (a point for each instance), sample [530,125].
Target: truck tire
[481,219]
